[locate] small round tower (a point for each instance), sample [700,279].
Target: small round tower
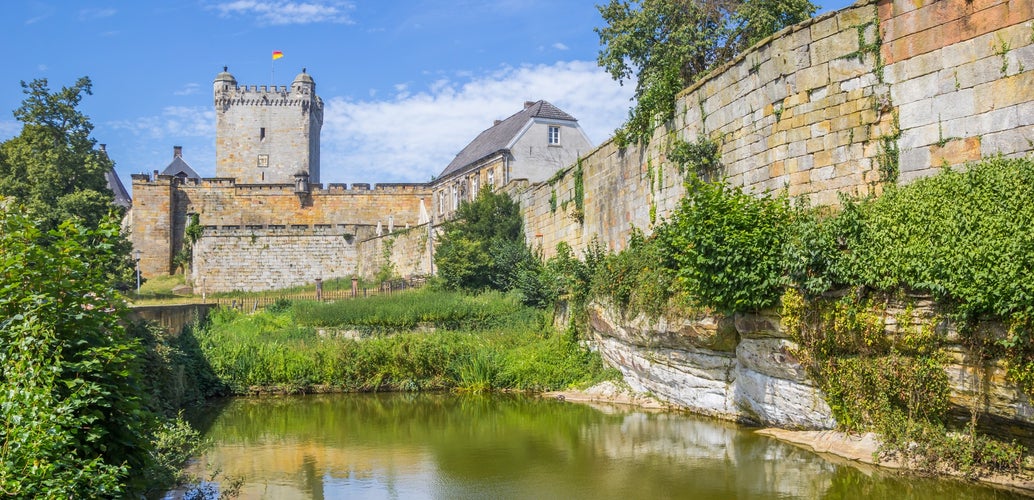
[303,84]
[224,82]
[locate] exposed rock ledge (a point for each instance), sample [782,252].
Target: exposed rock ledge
[861,449]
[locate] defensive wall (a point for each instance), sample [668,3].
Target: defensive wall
[882,91]
[405,252]
[291,236]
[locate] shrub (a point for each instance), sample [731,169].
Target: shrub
[725,246]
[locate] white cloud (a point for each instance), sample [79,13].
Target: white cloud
[174,122]
[281,13]
[415,134]
[42,67]
[560,46]
[188,89]
[91,14]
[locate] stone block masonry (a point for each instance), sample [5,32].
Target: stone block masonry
[884,91]
[264,259]
[228,211]
[406,251]
[880,92]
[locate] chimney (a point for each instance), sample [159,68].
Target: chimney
[497,122]
[155,175]
[528,104]
[104,148]
[177,151]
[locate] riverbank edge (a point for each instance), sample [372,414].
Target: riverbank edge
[857,450]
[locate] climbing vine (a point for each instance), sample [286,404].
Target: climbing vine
[701,158]
[579,193]
[192,233]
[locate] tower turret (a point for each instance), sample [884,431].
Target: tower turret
[224,82]
[303,84]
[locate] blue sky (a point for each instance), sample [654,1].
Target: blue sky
[406,84]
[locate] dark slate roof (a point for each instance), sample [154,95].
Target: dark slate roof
[115,185]
[180,168]
[499,136]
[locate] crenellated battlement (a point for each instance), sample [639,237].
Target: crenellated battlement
[262,95]
[420,188]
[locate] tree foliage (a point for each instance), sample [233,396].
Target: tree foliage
[74,421]
[483,246]
[666,45]
[52,167]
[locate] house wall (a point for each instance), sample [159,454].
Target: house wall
[537,160]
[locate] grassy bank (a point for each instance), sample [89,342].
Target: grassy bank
[474,343]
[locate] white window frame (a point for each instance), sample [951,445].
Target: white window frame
[553,135]
[491,177]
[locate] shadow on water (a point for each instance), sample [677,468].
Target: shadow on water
[511,446]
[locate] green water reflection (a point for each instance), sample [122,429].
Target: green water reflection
[449,446]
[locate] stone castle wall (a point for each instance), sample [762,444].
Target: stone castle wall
[407,251]
[269,220]
[263,259]
[883,91]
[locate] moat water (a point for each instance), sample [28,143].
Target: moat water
[447,446]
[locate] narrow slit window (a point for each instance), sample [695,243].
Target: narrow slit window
[262,133]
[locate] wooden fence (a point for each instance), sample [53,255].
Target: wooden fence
[253,302]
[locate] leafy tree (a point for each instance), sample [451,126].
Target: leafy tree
[483,246]
[666,45]
[52,167]
[71,399]
[53,170]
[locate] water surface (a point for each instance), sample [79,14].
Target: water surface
[502,446]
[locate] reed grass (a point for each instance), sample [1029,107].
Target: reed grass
[478,343]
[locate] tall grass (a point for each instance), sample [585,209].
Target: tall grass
[431,308]
[478,343]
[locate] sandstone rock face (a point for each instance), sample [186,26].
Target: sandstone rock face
[733,368]
[744,368]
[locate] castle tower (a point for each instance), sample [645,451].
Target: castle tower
[267,135]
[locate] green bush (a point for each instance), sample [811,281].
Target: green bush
[638,279]
[725,246]
[71,400]
[482,247]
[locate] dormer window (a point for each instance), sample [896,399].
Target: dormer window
[554,135]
